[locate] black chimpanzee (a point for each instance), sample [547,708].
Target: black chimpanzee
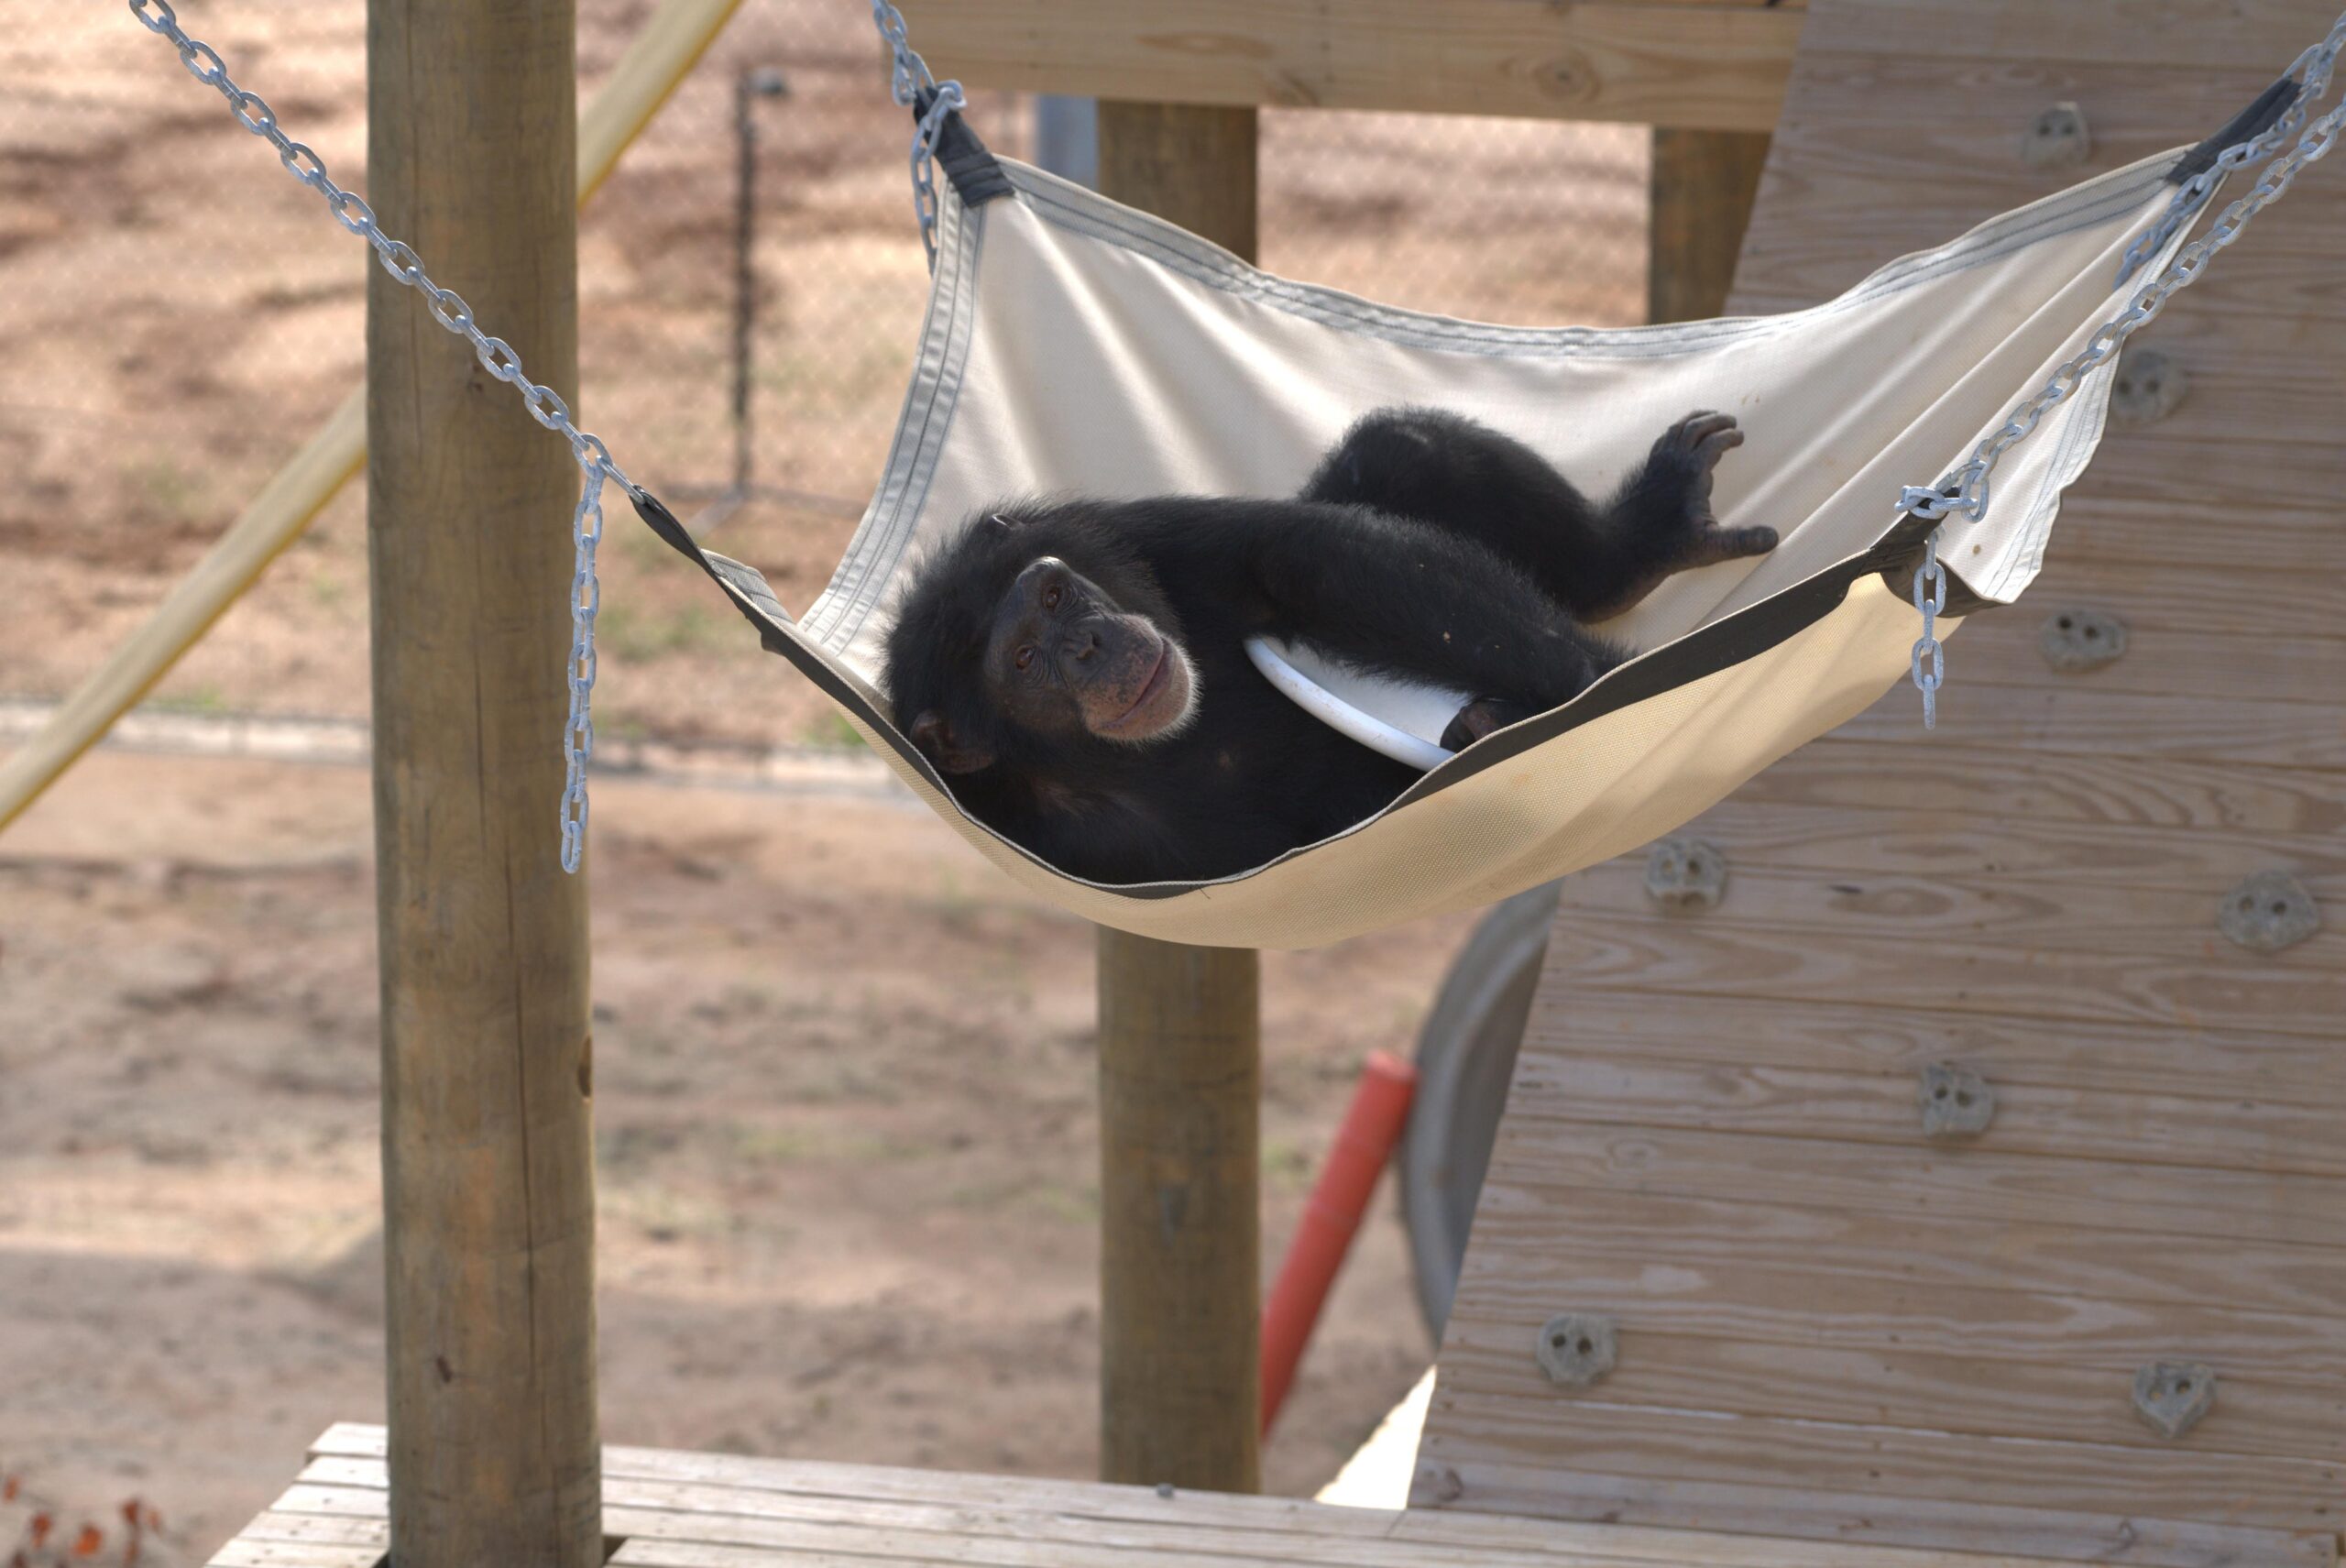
[1078,667]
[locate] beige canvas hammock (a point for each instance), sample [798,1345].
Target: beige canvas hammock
[1076,345]
[1073,345]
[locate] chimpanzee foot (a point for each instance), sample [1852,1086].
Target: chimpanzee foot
[1484,716]
[1664,517]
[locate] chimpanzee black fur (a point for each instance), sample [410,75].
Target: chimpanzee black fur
[1078,667]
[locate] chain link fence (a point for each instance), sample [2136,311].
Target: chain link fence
[176,318]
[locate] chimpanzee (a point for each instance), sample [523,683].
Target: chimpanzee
[1078,668]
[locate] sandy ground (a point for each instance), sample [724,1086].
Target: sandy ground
[845,1117]
[847,1156]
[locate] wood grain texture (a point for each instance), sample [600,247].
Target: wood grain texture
[1532,1428]
[1180,1288]
[488,1148]
[694,1511]
[1700,186]
[1180,1030]
[1832,1327]
[1705,64]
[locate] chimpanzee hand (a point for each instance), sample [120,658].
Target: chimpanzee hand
[1484,716]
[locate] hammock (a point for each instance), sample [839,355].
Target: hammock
[1072,344]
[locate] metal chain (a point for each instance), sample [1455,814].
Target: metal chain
[2311,70]
[1964,492]
[909,82]
[1929,661]
[496,355]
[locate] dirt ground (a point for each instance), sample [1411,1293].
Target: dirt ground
[844,1120]
[846,1090]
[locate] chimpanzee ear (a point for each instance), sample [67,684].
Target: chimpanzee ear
[994,525]
[933,735]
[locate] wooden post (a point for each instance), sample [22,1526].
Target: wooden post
[1180,1063]
[1702,188]
[488,1153]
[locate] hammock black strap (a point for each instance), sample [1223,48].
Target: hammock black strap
[2260,116]
[977,177]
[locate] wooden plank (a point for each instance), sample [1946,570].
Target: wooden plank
[1717,66]
[1861,1036]
[2016,850]
[1588,1436]
[1890,1312]
[1972,1524]
[2037,919]
[2212,1131]
[244,1553]
[2257,37]
[1891,1386]
[2301,992]
[1950,783]
[2076,721]
[2258,541]
[2218,1207]
[840,1514]
[2003,650]
[758,1487]
[2282,1295]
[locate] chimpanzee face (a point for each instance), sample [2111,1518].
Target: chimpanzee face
[1064,659]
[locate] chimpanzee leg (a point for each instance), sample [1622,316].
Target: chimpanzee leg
[1465,477]
[1396,595]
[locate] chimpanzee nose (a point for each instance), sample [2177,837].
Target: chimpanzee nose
[1083,643]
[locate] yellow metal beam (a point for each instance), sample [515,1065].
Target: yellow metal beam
[675,37]
[1690,64]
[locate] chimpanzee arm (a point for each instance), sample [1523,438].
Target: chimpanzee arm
[1394,595]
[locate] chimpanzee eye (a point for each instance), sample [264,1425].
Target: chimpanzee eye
[1051,597]
[1025,656]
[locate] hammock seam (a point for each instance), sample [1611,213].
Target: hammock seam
[838,613]
[1076,211]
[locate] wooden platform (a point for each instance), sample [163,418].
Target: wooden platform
[708,1510]
[1830,1325]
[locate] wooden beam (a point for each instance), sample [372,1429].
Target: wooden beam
[1181,1057]
[1705,64]
[1702,187]
[1180,1276]
[488,1155]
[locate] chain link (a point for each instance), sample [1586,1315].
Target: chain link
[2311,72]
[1965,490]
[912,83]
[496,355]
[1929,661]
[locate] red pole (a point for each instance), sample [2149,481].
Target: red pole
[1371,1126]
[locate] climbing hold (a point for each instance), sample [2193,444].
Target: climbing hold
[2173,1394]
[1686,874]
[2057,138]
[2149,383]
[1576,1348]
[2268,912]
[2080,639]
[1955,1100]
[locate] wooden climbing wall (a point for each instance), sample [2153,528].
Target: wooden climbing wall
[1829,1325]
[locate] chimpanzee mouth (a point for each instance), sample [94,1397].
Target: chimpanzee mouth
[1149,688]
